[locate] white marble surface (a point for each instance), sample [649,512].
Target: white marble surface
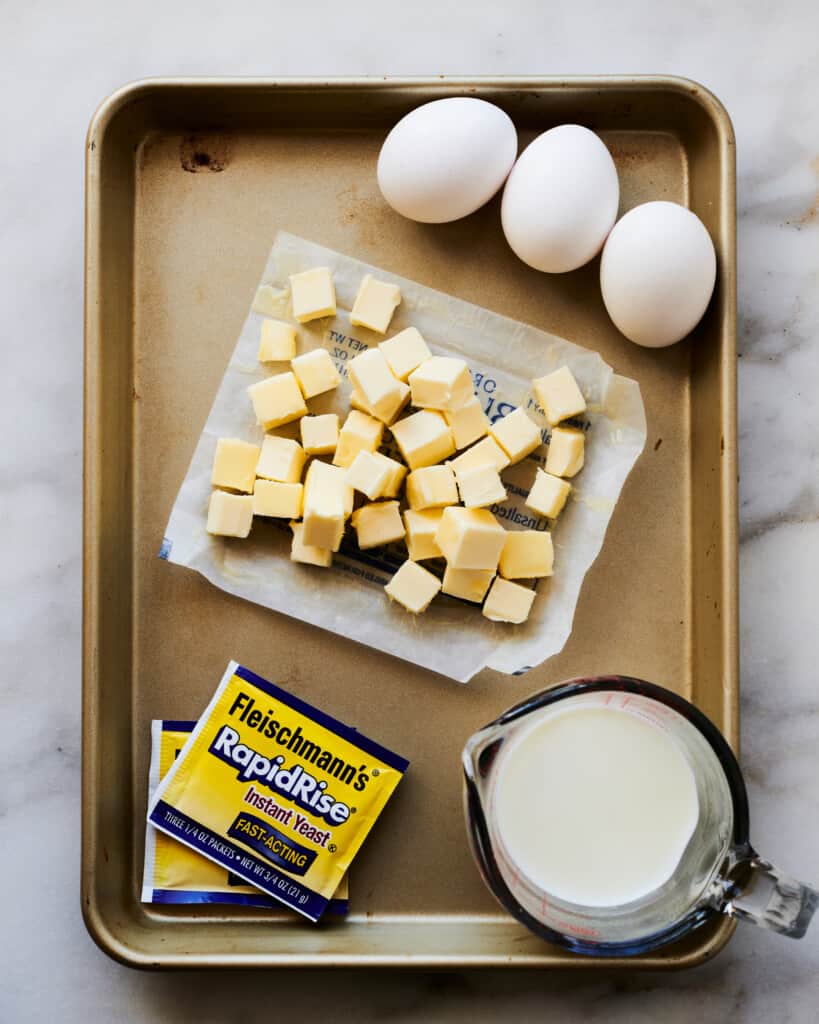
[762,60]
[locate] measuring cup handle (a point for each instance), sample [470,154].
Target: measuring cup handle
[768,897]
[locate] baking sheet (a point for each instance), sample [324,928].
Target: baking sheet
[185,181]
[451,637]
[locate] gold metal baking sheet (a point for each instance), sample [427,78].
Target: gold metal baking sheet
[187,182]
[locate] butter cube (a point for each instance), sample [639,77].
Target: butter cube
[281,459]
[375,304]
[441,383]
[277,342]
[480,486]
[470,538]
[230,515]
[315,372]
[397,473]
[328,500]
[424,439]
[413,586]
[322,478]
[282,501]
[277,400]
[421,528]
[377,524]
[431,487]
[319,434]
[369,475]
[566,452]
[372,378]
[559,395]
[405,352]
[359,433]
[508,602]
[517,434]
[548,494]
[301,552]
[468,584]
[313,294]
[485,453]
[234,464]
[467,423]
[390,411]
[266,301]
[527,554]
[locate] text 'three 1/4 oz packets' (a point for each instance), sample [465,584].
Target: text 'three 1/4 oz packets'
[276,791]
[174,873]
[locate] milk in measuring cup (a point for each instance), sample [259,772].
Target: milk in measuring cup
[595,806]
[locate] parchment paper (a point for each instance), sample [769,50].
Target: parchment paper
[452,637]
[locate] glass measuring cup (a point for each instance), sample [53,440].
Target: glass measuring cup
[719,871]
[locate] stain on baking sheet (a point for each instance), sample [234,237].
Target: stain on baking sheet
[203,153]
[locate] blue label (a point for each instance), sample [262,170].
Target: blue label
[271,844]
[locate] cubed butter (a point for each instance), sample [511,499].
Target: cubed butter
[468,424]
[377,524]
[559,395]
[405,352]
[413,586]
[234,464]
[421,527]
[319,434]
[278,342]
[369,475]
[470,538]
[277,400]
[548,494]
[517,434]
[485,453]
[281,459]
[282,501]
[480,486]
[431,487]
[230,515]
[424,438]
[566,451]
[359,433]
[301,552]
[267,301]
[383,393]
[397,473]
[375,304]
[315,372]
[328,500]
[527,554]
[389,411]
[468,584]
[441,383]
[313,294]
[321,477]
[508,602]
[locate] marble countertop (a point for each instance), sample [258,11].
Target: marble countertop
[762,60]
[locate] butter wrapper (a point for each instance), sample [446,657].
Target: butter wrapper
[174,873]
[275,791]
[451,637]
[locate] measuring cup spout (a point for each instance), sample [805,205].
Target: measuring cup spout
[754,890]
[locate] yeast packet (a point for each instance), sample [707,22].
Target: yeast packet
[276,791]
[174,873]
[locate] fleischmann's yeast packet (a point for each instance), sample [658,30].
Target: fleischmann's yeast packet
[173,873]
[275,791]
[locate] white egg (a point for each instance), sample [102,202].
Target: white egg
[561,199]
[446,158]
[657,273]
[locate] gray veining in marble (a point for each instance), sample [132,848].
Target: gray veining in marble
[58,61]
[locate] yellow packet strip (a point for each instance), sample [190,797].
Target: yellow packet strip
[174,873]
[276,791]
